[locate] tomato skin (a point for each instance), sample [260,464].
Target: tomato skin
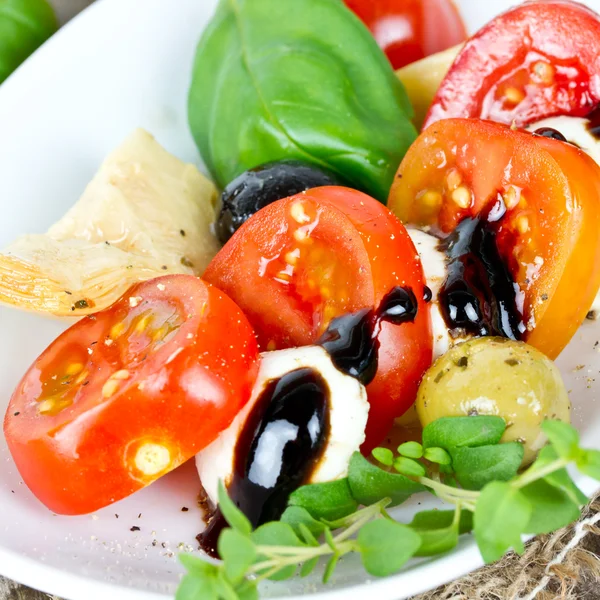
[409,30]
[548,237]
[181,391]
[537,60]
[359,251]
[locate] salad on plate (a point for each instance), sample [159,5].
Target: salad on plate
[362,303]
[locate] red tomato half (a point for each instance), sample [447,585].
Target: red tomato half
[408,30]
[537,60]
[128,394]
[548,236]
[303,260]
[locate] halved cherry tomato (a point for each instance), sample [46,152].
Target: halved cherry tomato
[408,30]
[548,236]
[301,261]
[128,394]
[537,60]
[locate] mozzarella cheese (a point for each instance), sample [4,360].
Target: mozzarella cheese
[433,261]
[348,412]
[575,130]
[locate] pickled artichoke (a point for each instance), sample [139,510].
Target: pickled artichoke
[144,214]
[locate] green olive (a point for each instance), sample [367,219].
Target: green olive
[496,376]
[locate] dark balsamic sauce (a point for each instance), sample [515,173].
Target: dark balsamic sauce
[550,132]
[427,294]
[351,340]
[479,295]
[289,422]
[289,426]
[594,122]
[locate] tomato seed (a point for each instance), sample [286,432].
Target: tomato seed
[453,179]
[109,388]
[522,224]
[462,196]
[151,459]
[514,95]
[298,213]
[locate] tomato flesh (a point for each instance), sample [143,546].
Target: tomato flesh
[130,393]
[548,236]
[409,30]
[537,60]
[304,260]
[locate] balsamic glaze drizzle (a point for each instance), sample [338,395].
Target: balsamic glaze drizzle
[289,422]
[427,294]
[286,430]
[351,340]
[550,132]
[479,295]
[594,122]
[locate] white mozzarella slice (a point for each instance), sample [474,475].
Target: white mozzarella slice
[434,268]
[575,130]
[347,419]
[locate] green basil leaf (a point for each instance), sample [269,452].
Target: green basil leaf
[553,508]
[563,437]
[385,546]
[501,517]
[276,533]
[237,552]
[559,479]
[459,432]
[329,501]
[233,515]
[309,566]
[24,26]
[296,516]
[369,483]
[476,467]
[297,80]
[589,463]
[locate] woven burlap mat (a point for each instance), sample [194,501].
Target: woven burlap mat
[564,565]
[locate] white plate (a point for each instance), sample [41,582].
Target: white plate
[119,65]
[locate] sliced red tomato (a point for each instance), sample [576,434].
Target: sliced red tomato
[301,261]
[408,30]
[537,60]
[548,236]
[128,394]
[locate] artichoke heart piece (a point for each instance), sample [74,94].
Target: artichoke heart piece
[144,214]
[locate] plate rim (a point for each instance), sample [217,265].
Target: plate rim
[53,580]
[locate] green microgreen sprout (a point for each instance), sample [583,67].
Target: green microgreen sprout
[461,461]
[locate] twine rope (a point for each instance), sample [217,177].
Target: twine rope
[581,530]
